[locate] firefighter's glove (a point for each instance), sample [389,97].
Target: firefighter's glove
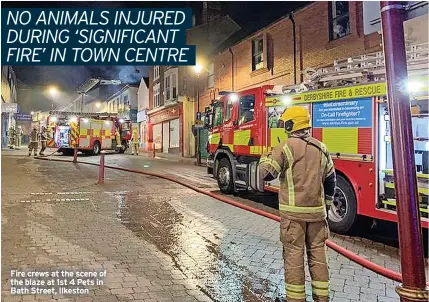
[268,167]
[265,174]
[328,200]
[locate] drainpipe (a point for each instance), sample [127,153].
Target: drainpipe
[294,47]
[413,287]
[232,68]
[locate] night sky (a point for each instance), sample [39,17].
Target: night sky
[251,16]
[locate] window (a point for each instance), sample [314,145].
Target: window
[246,111]
[126,102]
[229,106]
[218,115]
[210,79]
[156,98]
[257,54]
[155,72]
[339,22]
[170,85]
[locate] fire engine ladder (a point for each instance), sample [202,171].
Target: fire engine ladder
[82,114]
[368,68]
[371,68]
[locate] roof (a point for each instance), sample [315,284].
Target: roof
[146,80]
[247,31]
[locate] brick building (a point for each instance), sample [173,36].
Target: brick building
[278,54]
[172,89]
[268,56]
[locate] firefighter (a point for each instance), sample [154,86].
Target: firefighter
[18,137]
[307,185]
[34,143]
[11,137]
[135,141]
[43,140]
[118,138]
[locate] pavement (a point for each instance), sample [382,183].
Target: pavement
[157,240]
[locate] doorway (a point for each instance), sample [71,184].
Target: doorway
[165,137]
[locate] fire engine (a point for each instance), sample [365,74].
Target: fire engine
[348,109]
[90,132]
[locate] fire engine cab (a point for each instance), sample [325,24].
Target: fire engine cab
[90,132]
[349,114]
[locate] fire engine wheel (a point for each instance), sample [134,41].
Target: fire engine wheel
[96,148]
[343,212]
[224,176]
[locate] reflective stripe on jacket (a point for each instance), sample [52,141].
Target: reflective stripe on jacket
[303,165]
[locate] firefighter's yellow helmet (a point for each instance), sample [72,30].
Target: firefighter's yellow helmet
[296,118]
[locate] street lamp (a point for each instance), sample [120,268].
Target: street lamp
[197,69]
[53,91]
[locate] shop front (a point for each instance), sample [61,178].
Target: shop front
[166,128]
[142,120]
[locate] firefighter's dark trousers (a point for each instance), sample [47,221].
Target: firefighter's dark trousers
[33,146]
[43,147]
[296,238]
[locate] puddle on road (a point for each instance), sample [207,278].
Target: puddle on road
[154,219]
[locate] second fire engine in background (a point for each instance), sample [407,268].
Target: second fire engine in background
[90,133]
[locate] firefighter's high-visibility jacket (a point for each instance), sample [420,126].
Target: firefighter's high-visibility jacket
[34,135]
[44,135]
[307,177]
[135,137]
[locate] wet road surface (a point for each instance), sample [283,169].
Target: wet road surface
[157,240]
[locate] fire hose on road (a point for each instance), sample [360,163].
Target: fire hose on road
[346,253]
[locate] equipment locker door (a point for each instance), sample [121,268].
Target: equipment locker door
[204,136]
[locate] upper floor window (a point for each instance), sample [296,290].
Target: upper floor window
[246,111]
[126,101]
[156,98]
[155,72]
[210,79]
[339,21]
[257,53]
[170,84]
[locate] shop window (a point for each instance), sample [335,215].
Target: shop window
[210,79]
[156,96]
[246,111]
[156,72]
[257,53]
[339,21]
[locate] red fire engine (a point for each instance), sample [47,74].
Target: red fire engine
[351,119]
[91,132]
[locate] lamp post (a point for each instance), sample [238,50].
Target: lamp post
[413,286]
[53,91]
[197,69]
